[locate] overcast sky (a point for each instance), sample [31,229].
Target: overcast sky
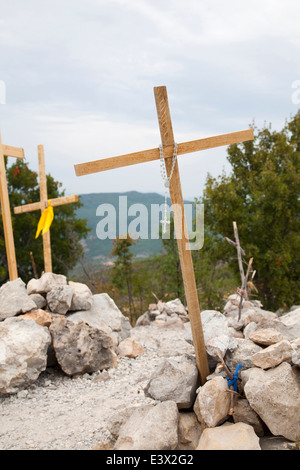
[79,78]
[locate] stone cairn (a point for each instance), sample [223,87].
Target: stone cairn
[52,322]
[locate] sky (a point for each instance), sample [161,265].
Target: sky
[78,77]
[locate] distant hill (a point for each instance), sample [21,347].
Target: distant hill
[98,251]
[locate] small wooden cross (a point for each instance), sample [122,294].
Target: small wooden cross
[185,256]
[8,151]
[43,204]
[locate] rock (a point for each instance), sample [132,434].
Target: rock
[275,396]
[104,314]
[235,333]
[213,402]
[59,299]
[23,353]
[189,431]
[266,337]
[116,420]
[46,283]
[243,413]
[14,299]
[143,320]
[289,332]
[214,324]
[80,348]
[82,296]
[292,319]
[41,317]
[176,306]
[175,379]
[250,328]
[173,322]
[39,300]
[150,428]
[220,344]
[239,436]
[296,352]
[242,354]
[129,348]
[273,355]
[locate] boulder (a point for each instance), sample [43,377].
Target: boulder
[175,379]
[176,306]
[242,354]
[273,355]
[143,320]
[239,436]
[189,431]
[41,317]
[80,348]
[82,297]
[243,413]
[23,353]
[129,348]
[46,283]
[14,299]
[59,299]
[275,396]
[288,331]
[266,337]
[150,428]
[213,402]
[217,335]
[39,300]
[104,314]
[296,352]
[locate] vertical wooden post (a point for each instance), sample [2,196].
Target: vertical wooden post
[44,201]
[6,218]
[239,254]
[167,137]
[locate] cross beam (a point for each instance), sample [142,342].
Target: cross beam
[167,137]
[43,204]
[16,152]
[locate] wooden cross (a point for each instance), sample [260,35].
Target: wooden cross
[43,204]
[8,151]
[185,256]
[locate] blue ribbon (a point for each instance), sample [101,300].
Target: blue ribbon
[234,380]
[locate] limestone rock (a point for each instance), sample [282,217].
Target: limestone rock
[296,352]
[14,299]
[189,431]
[82,296]
[239,436]
[150,428]
[129,348]
[266,337]
[46,283]
[39,300]
[249,329]
[213,402]
[275,396]
[242,354]
[23,353]
[59,299]
[288,331]
[214,324]
[80,348]
[41,317]
[273,355]
[175,379]
[243,413]
[176,306]
[143,320]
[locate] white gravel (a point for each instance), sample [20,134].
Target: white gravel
[59,412]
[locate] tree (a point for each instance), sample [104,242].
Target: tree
[262,196]
[122,271]
[67,230]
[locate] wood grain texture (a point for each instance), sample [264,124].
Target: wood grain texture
[10,151]
[44,201]
[153,154]
[190,288]
[60,201]
[6,218]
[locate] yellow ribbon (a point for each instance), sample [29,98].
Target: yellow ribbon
[45,220]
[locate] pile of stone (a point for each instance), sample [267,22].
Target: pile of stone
[187,416]
[169,313]
[53,322]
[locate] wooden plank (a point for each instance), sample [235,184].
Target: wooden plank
[10,151]
[153,154]
[186,262]
[7,222]
[60,201]
[44,201]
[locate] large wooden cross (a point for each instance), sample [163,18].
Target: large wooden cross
[43,204]
[8,151]
[185,256]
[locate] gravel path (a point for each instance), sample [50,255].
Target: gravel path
[62,413]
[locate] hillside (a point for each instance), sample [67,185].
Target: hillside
[97,251]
